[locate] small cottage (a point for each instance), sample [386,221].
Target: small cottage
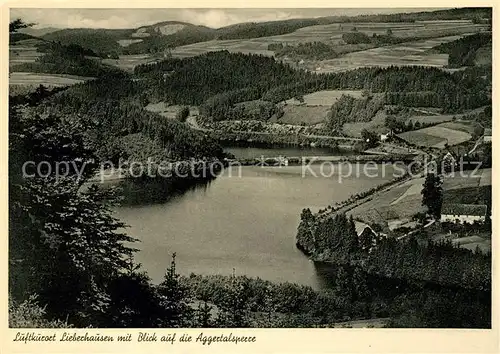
[367,236]
[461,213]
[386,137]
[448,162]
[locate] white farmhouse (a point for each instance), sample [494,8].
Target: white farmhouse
[461,213]
[487,135]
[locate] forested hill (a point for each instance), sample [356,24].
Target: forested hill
[152,39]
[272,28]
[218,80]
[112,105]
[464,51]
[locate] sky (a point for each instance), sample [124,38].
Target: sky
[215,18]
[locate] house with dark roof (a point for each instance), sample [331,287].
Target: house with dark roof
[461,213]
[487,135]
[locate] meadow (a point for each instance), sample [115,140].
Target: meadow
[390,208]
[129,62]
[431,119]
[169,111]
[48,80]
[307,115]
[466,127]
[377,125]
[436,137]
[409,53]
[325,97]
[23,52]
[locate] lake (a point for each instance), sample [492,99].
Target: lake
[244,220]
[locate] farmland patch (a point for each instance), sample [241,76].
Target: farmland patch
[463,127]
[421,139]
[308,115]
[127,42]
[435,136]
[431,119]
[325,97]
[129,62]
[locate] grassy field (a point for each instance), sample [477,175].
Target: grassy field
[23,52]
[472,242]
[167,111]
[431,119]
[307,115]
[421,139]
[465,127]
[485,177]
[127,42]
[381,210]
[461,180]
[436,136]
[49,80]
[411,53]
[325,97]
[128,62]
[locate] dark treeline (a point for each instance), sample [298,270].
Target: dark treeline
[227,78]
[375,39]
[192,80]
[351,294]
[101,41]
[462,52]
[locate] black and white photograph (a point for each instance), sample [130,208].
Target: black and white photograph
[249,168]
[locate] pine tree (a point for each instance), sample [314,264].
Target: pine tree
[174,298]
[234,305]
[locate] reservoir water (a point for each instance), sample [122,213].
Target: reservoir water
[253,152]
[245,219]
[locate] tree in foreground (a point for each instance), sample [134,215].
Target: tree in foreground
[18,24]
[432,194]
